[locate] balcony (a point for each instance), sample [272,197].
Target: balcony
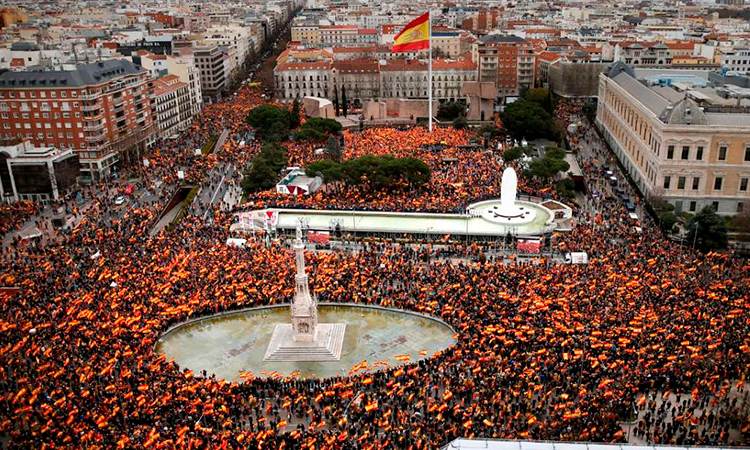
[119,100]
[96,139]
[89,96]
[93,127]
[96,106]
[120,108]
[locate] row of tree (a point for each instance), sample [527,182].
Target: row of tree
[530,117]
[377,172]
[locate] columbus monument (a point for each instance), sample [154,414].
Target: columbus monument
[305,339]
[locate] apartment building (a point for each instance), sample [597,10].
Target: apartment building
[102,111]
[506,61]
[306,33]
[361,78]
[334,35]
[212,69]
[171,107]
[690,147]
[297,80]
[183,66]
[737,60]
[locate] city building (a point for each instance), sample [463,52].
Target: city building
[210,63]
[39,174]
[297,80]
[171,107]
[506,61]
[102,111]
[690,147]
[737,60]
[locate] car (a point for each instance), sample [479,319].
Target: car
[129,189]
[120,200]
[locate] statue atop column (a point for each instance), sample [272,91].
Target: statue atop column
[304,306]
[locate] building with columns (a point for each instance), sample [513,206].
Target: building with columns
[689,146]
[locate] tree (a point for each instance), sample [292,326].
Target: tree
[450,111]
[554,152]
[707,231]
[546,168]
[540,96]
[741,225]
[566,188]
[460,122]
[667,221]
[269,120]
[492,130]
[294,117]
[513,154]
[316,129]
[333,148]
[344,102]
[376,172]
[327,169]
[336,100]
[526,119]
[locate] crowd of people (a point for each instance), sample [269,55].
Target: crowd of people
[14,215]
[560,352]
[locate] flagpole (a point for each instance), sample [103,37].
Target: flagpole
[429,70]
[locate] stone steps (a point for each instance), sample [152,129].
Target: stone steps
[327,346]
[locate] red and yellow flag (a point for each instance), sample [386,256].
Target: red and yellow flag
[415,36]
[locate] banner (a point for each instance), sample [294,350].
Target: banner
[319,237]
[270,219]
[528,245]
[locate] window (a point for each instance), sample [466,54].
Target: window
[667,182]
[743,184]
[685,152]
[681,183]
[670,152]
[740,207]
[699,154]
[747,154]
[722,153]
[693,206]
[715,206]
[718,181]
[696,183]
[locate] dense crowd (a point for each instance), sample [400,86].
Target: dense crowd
[561,352]
[14,215]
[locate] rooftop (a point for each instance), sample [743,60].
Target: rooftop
[84,75]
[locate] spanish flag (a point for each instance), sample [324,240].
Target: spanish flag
[415,36]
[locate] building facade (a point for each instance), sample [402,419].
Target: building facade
[170,104]
[101,111]
[690,151]
[212,69]
[39,174]
[506,61]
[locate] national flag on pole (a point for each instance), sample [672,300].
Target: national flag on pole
[415,36]
[528,246]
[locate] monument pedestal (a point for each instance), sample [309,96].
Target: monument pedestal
[329,340]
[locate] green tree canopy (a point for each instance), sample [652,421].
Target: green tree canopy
[294,116]
[549,166]
[265,167]
[316,129]
[526,119]
[513,154]
[540,96]
[460,122]
[450,111]
[707,230]
[269,120]
[377,172]
[333,148]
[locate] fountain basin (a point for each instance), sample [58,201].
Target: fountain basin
[231,343]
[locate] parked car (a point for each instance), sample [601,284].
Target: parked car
[120,200]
